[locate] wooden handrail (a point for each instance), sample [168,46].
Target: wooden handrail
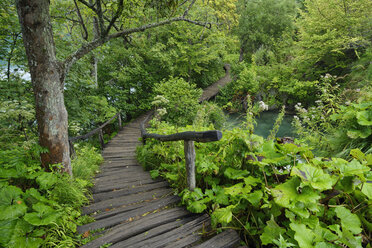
[98,130]
[94,131]
[189,146]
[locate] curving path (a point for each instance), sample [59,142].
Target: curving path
[132,210]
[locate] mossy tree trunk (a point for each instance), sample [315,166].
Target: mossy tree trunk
[47,80]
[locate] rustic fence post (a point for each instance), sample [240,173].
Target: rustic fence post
[72,149]
[101,140]
[189,148]
[119,120]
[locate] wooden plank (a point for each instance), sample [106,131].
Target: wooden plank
[130,229]
[185,242]
[122,217]
[122,185]
[113,170]
[124,200]
[226,239]
[175,234]
[170,199]
[122,175]
[132,190]
[133,241]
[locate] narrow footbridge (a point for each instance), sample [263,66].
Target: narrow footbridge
[133,210]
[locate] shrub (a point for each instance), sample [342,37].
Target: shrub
[182,100]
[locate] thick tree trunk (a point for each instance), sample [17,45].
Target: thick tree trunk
[47,76]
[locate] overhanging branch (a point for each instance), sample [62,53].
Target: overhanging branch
[88,47]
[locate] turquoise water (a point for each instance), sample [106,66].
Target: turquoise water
[265,122]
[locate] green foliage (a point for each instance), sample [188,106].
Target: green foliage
[277,194]
[182,100]
[210,113]
[38,208]
[335,125]
[333,32]
[263,22]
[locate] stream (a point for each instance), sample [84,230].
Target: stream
[265,122]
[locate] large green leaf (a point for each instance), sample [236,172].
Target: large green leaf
[299,200]
[303,235]
[352,168]
[11,204]
[359,133]
[364,118]
[367,189]
[25,242]
[271,232]
[44,215]
[13,211]
[349,221]
[254,198]
[223,215]
[197,206]
[233,173]
[9,194]
[313,176]
[6,231]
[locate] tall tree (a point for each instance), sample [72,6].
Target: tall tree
[48,73]
[262,23]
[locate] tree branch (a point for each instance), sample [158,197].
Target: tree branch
[85,36]
[188,8]
[91,6]
[88,47]
[115,17]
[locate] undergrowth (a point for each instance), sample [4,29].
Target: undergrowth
[277,194]
[38,208]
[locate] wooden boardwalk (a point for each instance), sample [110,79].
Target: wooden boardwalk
[133,210]
[213,89]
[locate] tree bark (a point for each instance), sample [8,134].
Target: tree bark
[47,76]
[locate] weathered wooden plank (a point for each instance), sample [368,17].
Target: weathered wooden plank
[122,175]
[133,241]
[185,242]
[128,191]
[122,185]
[124,200]
[118,169]
[160,201]
[130,229]
[175,234]
[226,239]
[118,218]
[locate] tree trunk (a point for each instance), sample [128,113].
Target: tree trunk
[94,60]
[47,76]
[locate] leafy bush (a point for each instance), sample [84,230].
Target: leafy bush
[182,100]
[210,113]
[335,125]
[276,194]
[38,208]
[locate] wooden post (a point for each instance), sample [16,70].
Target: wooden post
[190,163]
[72,149]
[119,120]
[101,140]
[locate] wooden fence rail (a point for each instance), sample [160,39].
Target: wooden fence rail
[98,130]
[189,146]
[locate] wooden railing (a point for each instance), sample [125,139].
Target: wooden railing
[189,147]
[98,130]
